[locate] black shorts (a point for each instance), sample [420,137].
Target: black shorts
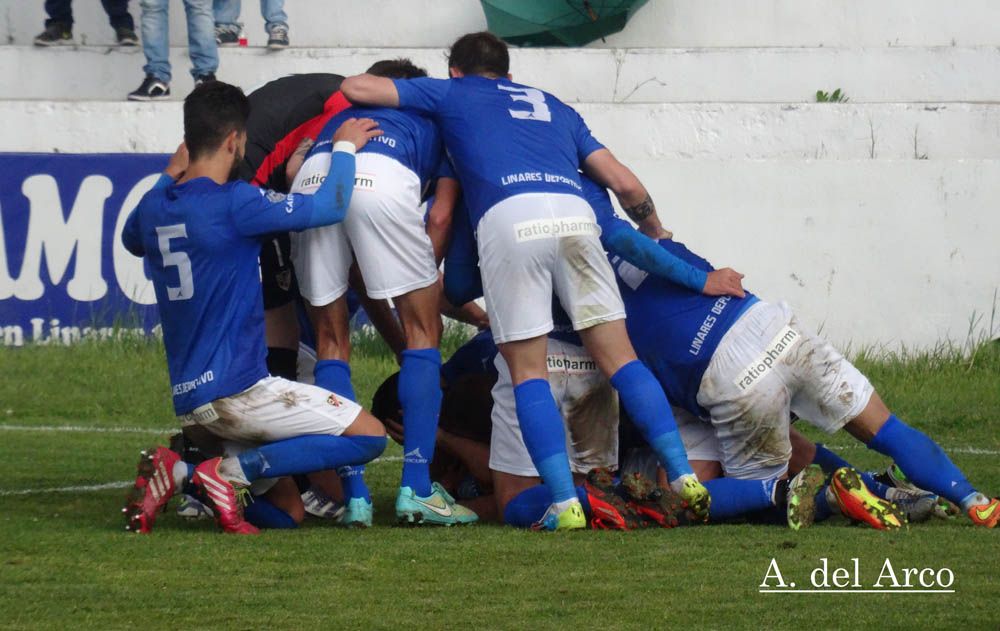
[276,272]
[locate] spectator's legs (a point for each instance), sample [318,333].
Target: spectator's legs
[274,15]
[156,38]
[227,14]
[118,14]
[61,13]
[201,37]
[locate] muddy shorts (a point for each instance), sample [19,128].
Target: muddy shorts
[766,367]
[589,409]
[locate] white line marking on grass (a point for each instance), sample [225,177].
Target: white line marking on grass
[68,489]
[975,451]
[83,428]
[90,488]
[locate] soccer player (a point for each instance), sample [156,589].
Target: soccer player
[200,238]
[385,231]
[517,152]
[747,365]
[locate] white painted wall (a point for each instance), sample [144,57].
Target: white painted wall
[742,75]
[661,23]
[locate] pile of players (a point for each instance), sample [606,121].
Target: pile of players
[525,418]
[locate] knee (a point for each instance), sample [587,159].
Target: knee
[153,6]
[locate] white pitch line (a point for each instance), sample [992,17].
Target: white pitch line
[90,488]
[975,451]
[83,428]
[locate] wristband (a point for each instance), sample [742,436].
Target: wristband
[346,146]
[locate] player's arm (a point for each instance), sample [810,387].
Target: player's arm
[602,166]
[256,213]
[367,89]
[446,194]
[131,233]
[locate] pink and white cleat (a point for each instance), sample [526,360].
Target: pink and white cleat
[153,488]
[222,496]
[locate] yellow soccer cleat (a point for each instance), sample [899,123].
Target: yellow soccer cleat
[571,518]
[857,502]
[699,501]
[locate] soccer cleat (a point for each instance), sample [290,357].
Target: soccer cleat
[223,498]
[55,35]
[438,508]
[277,39]
[695,494]
[860,504]
[801,503]
[153,488]
[151,89]
[894,477]
[318,504]
[607,510]
[191,508]
[655,506]
[918,505]
[571,518]
[357,513]
[987,515]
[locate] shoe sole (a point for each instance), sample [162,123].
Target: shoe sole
[61,42]
[136,519]
[277,46]
[414,519]
[801,509]
[860,504]
[144,99]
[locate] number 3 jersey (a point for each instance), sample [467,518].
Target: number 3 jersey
[200,241]
[503,138]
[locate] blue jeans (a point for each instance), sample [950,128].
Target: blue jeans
[156,38]
[227,14]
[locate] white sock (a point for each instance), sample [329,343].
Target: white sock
[974,499]
[231,469]
[831,500]
[180,473]
[564,505]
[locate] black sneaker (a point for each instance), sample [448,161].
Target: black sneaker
[55,35]
[226,37]
[277,39]
[152,89]
[126,37]
[205,78]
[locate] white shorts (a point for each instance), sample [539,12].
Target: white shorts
[533,245]
[589,407]
[698,436]
[384,228]
[765,367]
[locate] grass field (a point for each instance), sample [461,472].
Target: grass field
[76,417]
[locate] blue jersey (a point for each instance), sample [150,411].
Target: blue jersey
[407,137]
[674,330]
[201,245]
[503,138]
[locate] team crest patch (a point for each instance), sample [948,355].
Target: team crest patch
[333,400]
[284,279]
[273,196]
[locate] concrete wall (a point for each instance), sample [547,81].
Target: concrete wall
[876,219]
[661,23]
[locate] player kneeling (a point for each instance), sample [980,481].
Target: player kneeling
[199,237]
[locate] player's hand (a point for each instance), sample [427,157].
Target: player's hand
[178,162]
[724,282]
[394,430]
[297,158]
[357,131]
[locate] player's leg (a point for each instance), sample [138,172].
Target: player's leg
[279,508]
[280,291]
[202,47]
[922,460]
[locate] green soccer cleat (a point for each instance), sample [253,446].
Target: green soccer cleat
[572,518]
[694,493]
[357,514]
[801,502]
[438,508]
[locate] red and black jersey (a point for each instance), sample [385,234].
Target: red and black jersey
[282,113]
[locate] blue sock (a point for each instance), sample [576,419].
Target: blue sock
[528,506]
[827,460]
[353,481]
[648,408]
[921,460]
[420,398]
[734,498]
[823,508]
[306,454]
[334,375]
[264,514]
[544,436]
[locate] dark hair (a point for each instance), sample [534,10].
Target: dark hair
[385,403]
[211,112]
[480,53]
[401,68]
